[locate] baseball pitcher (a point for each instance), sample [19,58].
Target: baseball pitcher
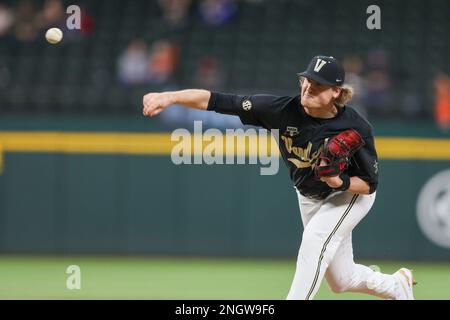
[330,152]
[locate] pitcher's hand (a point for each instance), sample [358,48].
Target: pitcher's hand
[155,103]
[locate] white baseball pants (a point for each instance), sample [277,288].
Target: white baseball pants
[326,249]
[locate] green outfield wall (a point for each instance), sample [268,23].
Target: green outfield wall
[69,201]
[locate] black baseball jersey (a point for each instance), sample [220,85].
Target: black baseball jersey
[302,137]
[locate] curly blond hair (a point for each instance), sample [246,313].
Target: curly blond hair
[344,97]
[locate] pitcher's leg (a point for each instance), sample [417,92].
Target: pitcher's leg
[312,261]
[343,275]
[322,237]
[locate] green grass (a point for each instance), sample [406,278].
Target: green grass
[35,277]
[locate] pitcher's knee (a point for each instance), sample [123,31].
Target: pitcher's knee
[338,287]
[338,282]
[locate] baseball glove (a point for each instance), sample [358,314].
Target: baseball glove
[334,158]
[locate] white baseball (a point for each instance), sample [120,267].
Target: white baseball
[54,35]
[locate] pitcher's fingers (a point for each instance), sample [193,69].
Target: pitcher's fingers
[157,111]
[145,111]
[148,109]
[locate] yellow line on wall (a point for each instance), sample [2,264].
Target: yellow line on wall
[161,144]
[86,142]
[413,148]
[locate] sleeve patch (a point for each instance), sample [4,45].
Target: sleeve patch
[247,105]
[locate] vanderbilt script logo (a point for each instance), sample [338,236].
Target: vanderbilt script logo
[305,158]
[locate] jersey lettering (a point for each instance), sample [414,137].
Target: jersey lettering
[304,158]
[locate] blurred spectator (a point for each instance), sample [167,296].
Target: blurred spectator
[6,19]
[5,75]
[87,23]
[209,74]
[174,11]
[25,27]
[217,12]
[378,99]
[378,59]
[409,104]
[442,101]
[51,15]
[353,66]
[163,62]
[137,66]
[133,64]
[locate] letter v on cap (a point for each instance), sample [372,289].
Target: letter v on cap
[319,64]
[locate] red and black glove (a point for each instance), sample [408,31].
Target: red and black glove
[334,158]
